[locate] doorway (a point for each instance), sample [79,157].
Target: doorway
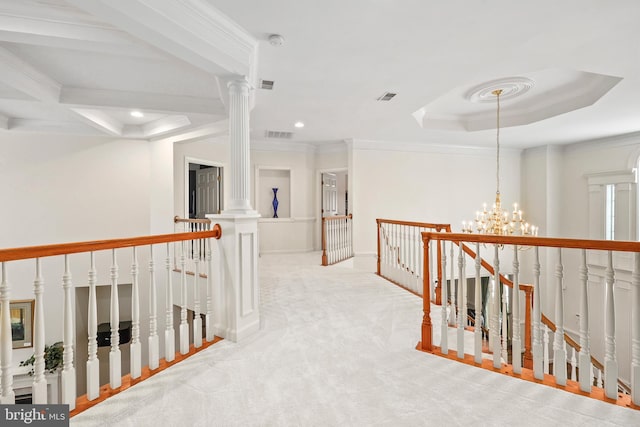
[204,189]
[335,196]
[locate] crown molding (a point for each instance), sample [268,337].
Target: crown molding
[622,140]
[423,147]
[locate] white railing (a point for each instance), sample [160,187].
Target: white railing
[587,256]
[101,260]
[337,239]
[400,253]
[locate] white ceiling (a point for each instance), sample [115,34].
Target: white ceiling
[80,66]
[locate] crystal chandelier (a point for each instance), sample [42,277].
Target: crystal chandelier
[498,221]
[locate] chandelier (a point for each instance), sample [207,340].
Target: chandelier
[498,221]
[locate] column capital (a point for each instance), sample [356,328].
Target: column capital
[239,85]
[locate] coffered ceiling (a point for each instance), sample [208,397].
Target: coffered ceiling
[82,66]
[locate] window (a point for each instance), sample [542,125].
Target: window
[610,212]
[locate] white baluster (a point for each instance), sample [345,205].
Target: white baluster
[154,342]
[610,360]
[334,242]
[462,316]
[584,359]
[39,381]
[7,397]
[209,317]
[516,343]
[135,348]
[115,360]
[546,349]
[599,378]
[574,362]
[420,256]
[635,330]
[184,326]
[538,361]
[444,331]
[504,317]
[197,320]
[477,335]
[495,327]
[453,319]
[559,352]
[169,333]
[68,376]
[93,364]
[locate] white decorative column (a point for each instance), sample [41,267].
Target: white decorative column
[236,295]
[239,146]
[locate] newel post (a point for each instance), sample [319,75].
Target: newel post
[427,344]
[528,297]
[378,253]
[325,261]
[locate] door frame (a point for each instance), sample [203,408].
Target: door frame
[318,214]
[197,161]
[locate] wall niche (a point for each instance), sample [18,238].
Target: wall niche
[268,178]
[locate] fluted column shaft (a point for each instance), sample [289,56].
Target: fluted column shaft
[239,146]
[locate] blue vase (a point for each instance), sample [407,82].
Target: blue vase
[275,203]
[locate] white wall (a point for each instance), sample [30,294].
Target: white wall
[422,183]
[59,189]
[555,185]
[294,231]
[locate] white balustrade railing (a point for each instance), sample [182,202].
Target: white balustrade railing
[193,248]
[400,257]
[85,254]
[337,239]
[576,364]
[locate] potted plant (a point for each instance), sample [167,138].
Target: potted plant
[52,358]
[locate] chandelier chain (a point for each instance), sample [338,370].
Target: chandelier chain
[498,220]
[498,92]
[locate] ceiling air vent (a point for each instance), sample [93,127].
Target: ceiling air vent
[266,84]
[278,134]
[386,96]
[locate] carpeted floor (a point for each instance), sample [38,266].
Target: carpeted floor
[337,348]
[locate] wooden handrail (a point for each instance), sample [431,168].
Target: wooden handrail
[437,227]
[337,217]
[529,241]
[177,219]
[42,251]
[525,241]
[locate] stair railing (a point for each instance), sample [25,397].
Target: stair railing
[149,258]
[337,239]
[400,253]
[583,361]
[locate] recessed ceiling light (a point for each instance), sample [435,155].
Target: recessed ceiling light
[299,124]
[137,114]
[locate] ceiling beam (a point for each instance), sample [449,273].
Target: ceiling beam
[82,36]
[23,77]
[100,121]
[191,30]
[210,130]
[98,98]
[34,125]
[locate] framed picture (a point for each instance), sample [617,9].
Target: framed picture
[22,323]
